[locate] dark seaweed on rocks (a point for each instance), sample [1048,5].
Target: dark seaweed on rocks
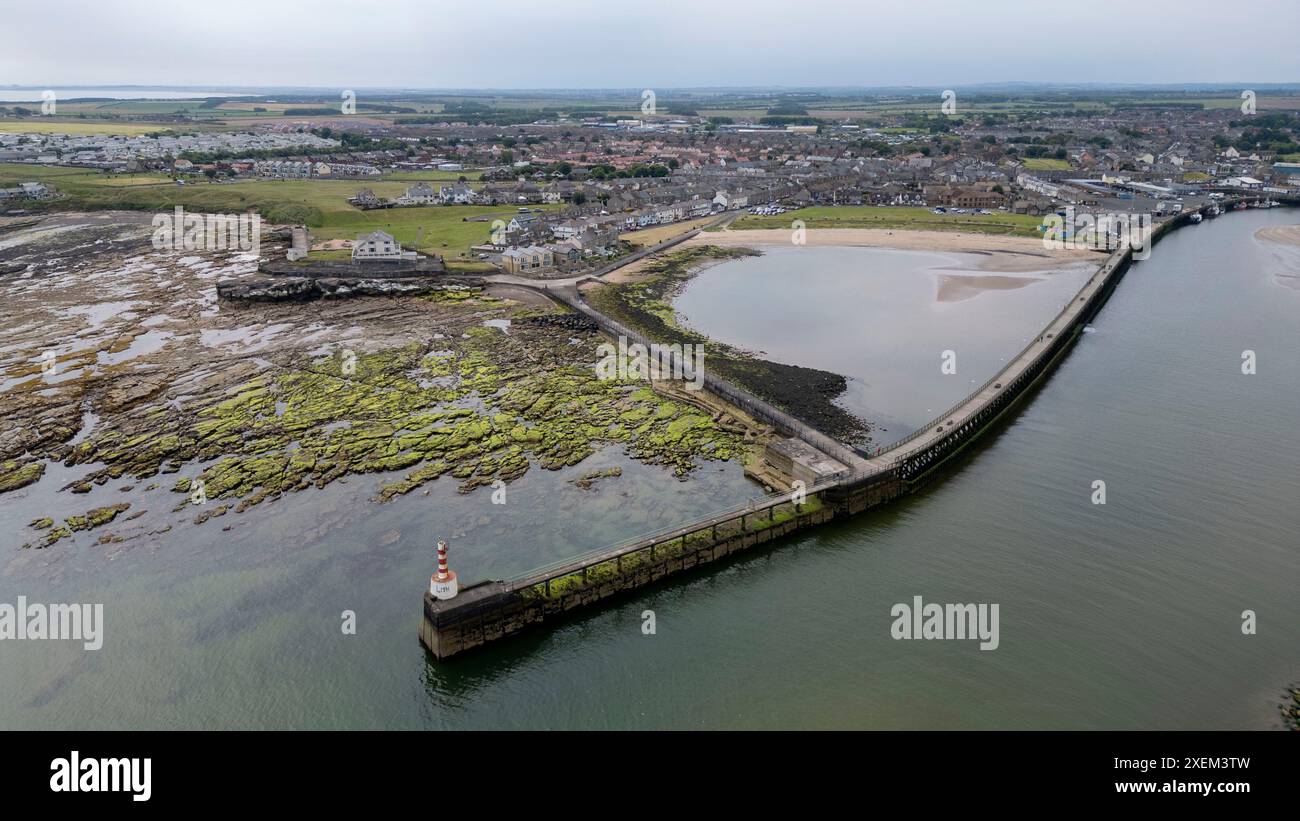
[296,289]
[573,322]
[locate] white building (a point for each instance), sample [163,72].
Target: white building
[27,190]
[378,245]
[458,194]
[421,194]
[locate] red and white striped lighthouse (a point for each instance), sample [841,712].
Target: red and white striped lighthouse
[442,585]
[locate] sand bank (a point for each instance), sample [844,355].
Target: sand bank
[1286,234]
[956,288]
[1002,253]
[1283,235]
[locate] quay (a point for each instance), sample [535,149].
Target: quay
[491,610]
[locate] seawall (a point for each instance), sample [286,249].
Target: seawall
[496,609]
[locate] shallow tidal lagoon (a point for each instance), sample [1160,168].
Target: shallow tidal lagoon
[883,318]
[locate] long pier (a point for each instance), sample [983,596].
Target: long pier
[493,610]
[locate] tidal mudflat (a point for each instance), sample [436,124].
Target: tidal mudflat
[910,331]
[642,296]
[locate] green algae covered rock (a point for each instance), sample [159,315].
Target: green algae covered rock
[478,404]
[14,475]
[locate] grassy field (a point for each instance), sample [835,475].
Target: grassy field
[78,127]
[23,171]
[469,174]
[890,217]
[321,204]
[436,229]
[1045,164]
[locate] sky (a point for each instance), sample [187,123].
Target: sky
[653,44]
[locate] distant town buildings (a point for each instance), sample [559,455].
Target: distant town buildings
[118,152]
[558,198]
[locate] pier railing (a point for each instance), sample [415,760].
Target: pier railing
[856,472]
[666,536]
[498,609]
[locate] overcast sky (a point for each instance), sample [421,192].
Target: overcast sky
[649,44]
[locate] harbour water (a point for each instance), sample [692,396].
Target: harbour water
[1123,615]
[883,318]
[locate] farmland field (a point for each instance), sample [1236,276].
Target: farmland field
[77,127]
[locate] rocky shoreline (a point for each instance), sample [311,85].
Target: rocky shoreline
[182,373]
[645,304]
[301,289]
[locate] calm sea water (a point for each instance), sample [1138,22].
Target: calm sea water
[1125,615]
[27,95]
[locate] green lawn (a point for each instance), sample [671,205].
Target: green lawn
[469,174]
[1045,164]
[321,204]
[436,229]
[872,216]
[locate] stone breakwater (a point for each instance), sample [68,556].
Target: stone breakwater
[346,269]
[302,289]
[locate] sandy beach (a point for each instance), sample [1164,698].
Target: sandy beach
[1000,254]
[1003,254]
[1286,234]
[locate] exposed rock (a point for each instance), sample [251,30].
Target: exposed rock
[14,475]
[589,479]
[97,517]
[279,289]
[571,321]
[264,397]
[299,289]
[91,519]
